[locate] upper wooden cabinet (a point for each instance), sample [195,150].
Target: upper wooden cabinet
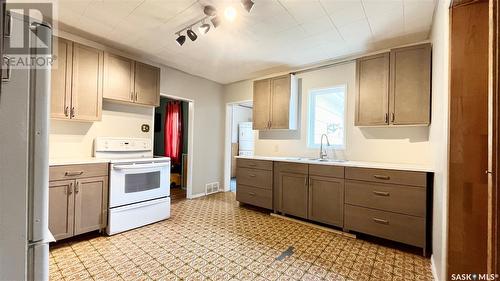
[77,82]
[131,81]
[275,103]
[394,88]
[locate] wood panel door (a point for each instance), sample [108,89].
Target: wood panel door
[61,208]
[261,104]
[147,84]
[410,91]
[60,100]
[468,160]
[118,78]
[90,204]
[280,102]
[294,191]
[326,200]
[86,90]
[372,102]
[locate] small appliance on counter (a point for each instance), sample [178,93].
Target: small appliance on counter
[139,183]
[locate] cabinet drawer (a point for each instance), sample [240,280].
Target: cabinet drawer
[292,167]
[402,228]
[78,171]
[254,196]
[255,177]
[255,164]
[388,197]
[387,176]
[326,171]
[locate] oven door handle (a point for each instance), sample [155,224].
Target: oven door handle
[141,166]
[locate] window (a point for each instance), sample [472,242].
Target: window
[327,116]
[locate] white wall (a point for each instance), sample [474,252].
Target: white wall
[240,114]
[393,145]
[439,135]
[66,137]
[72,139]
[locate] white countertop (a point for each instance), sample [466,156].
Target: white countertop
[76,161]
[360,164]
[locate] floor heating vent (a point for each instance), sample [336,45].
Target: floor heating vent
[212,188]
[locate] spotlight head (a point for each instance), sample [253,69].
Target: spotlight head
[247,5]
[215,21]
[181,39]
[191,35]
[210,10]
[204,28]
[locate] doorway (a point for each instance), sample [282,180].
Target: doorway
[240,138]
[171,136]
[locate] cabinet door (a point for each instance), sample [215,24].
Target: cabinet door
[410,96]
[373,90]
[61,208]
[294,191]
[86,90]
[280,102]
[261,104]
[60,100]
[118,78]
[90,204]
[147,84]
[326,200]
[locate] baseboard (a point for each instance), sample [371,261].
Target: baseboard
[197,195]
[433,269]
[315,226]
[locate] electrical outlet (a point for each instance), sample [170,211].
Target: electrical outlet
[145,128]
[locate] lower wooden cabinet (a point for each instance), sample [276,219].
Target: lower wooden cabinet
[293,195]
[77,205]
[326,200]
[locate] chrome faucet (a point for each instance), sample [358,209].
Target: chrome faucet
[323,155]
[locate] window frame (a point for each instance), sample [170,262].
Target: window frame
[310,121]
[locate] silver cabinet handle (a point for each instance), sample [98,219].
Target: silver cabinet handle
[392,117]
[251,193]
[136,93]
[8,25]
[252,175]
[72,112]
[66,111]
[380,177]
[132,96]
[74,173]
[70,189]
[386,118]
[381,193]
[77,187]
[6,59]
[381,221]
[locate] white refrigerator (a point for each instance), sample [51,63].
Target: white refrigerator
[245,139]
[24,127]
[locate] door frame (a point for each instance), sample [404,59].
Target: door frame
[227,142]
[189,185]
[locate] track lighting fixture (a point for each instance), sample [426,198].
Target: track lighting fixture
[209,11]
[191,34]
[215,21]
[247,5]
[180,39]
[204,28]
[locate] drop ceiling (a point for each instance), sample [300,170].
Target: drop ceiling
[276,35]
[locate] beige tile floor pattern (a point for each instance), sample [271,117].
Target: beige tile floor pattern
[211,238]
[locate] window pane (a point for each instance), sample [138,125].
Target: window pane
[327,116]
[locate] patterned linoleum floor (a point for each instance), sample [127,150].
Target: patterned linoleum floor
[212,238]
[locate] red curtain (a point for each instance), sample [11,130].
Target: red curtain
[173,131]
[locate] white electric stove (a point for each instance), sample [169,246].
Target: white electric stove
[139,184]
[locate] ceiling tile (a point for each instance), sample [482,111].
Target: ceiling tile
[385,17]
[344,12]
[418,15]
[304,11]
[319,25]
[356,32]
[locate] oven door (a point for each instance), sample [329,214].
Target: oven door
[132,183]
